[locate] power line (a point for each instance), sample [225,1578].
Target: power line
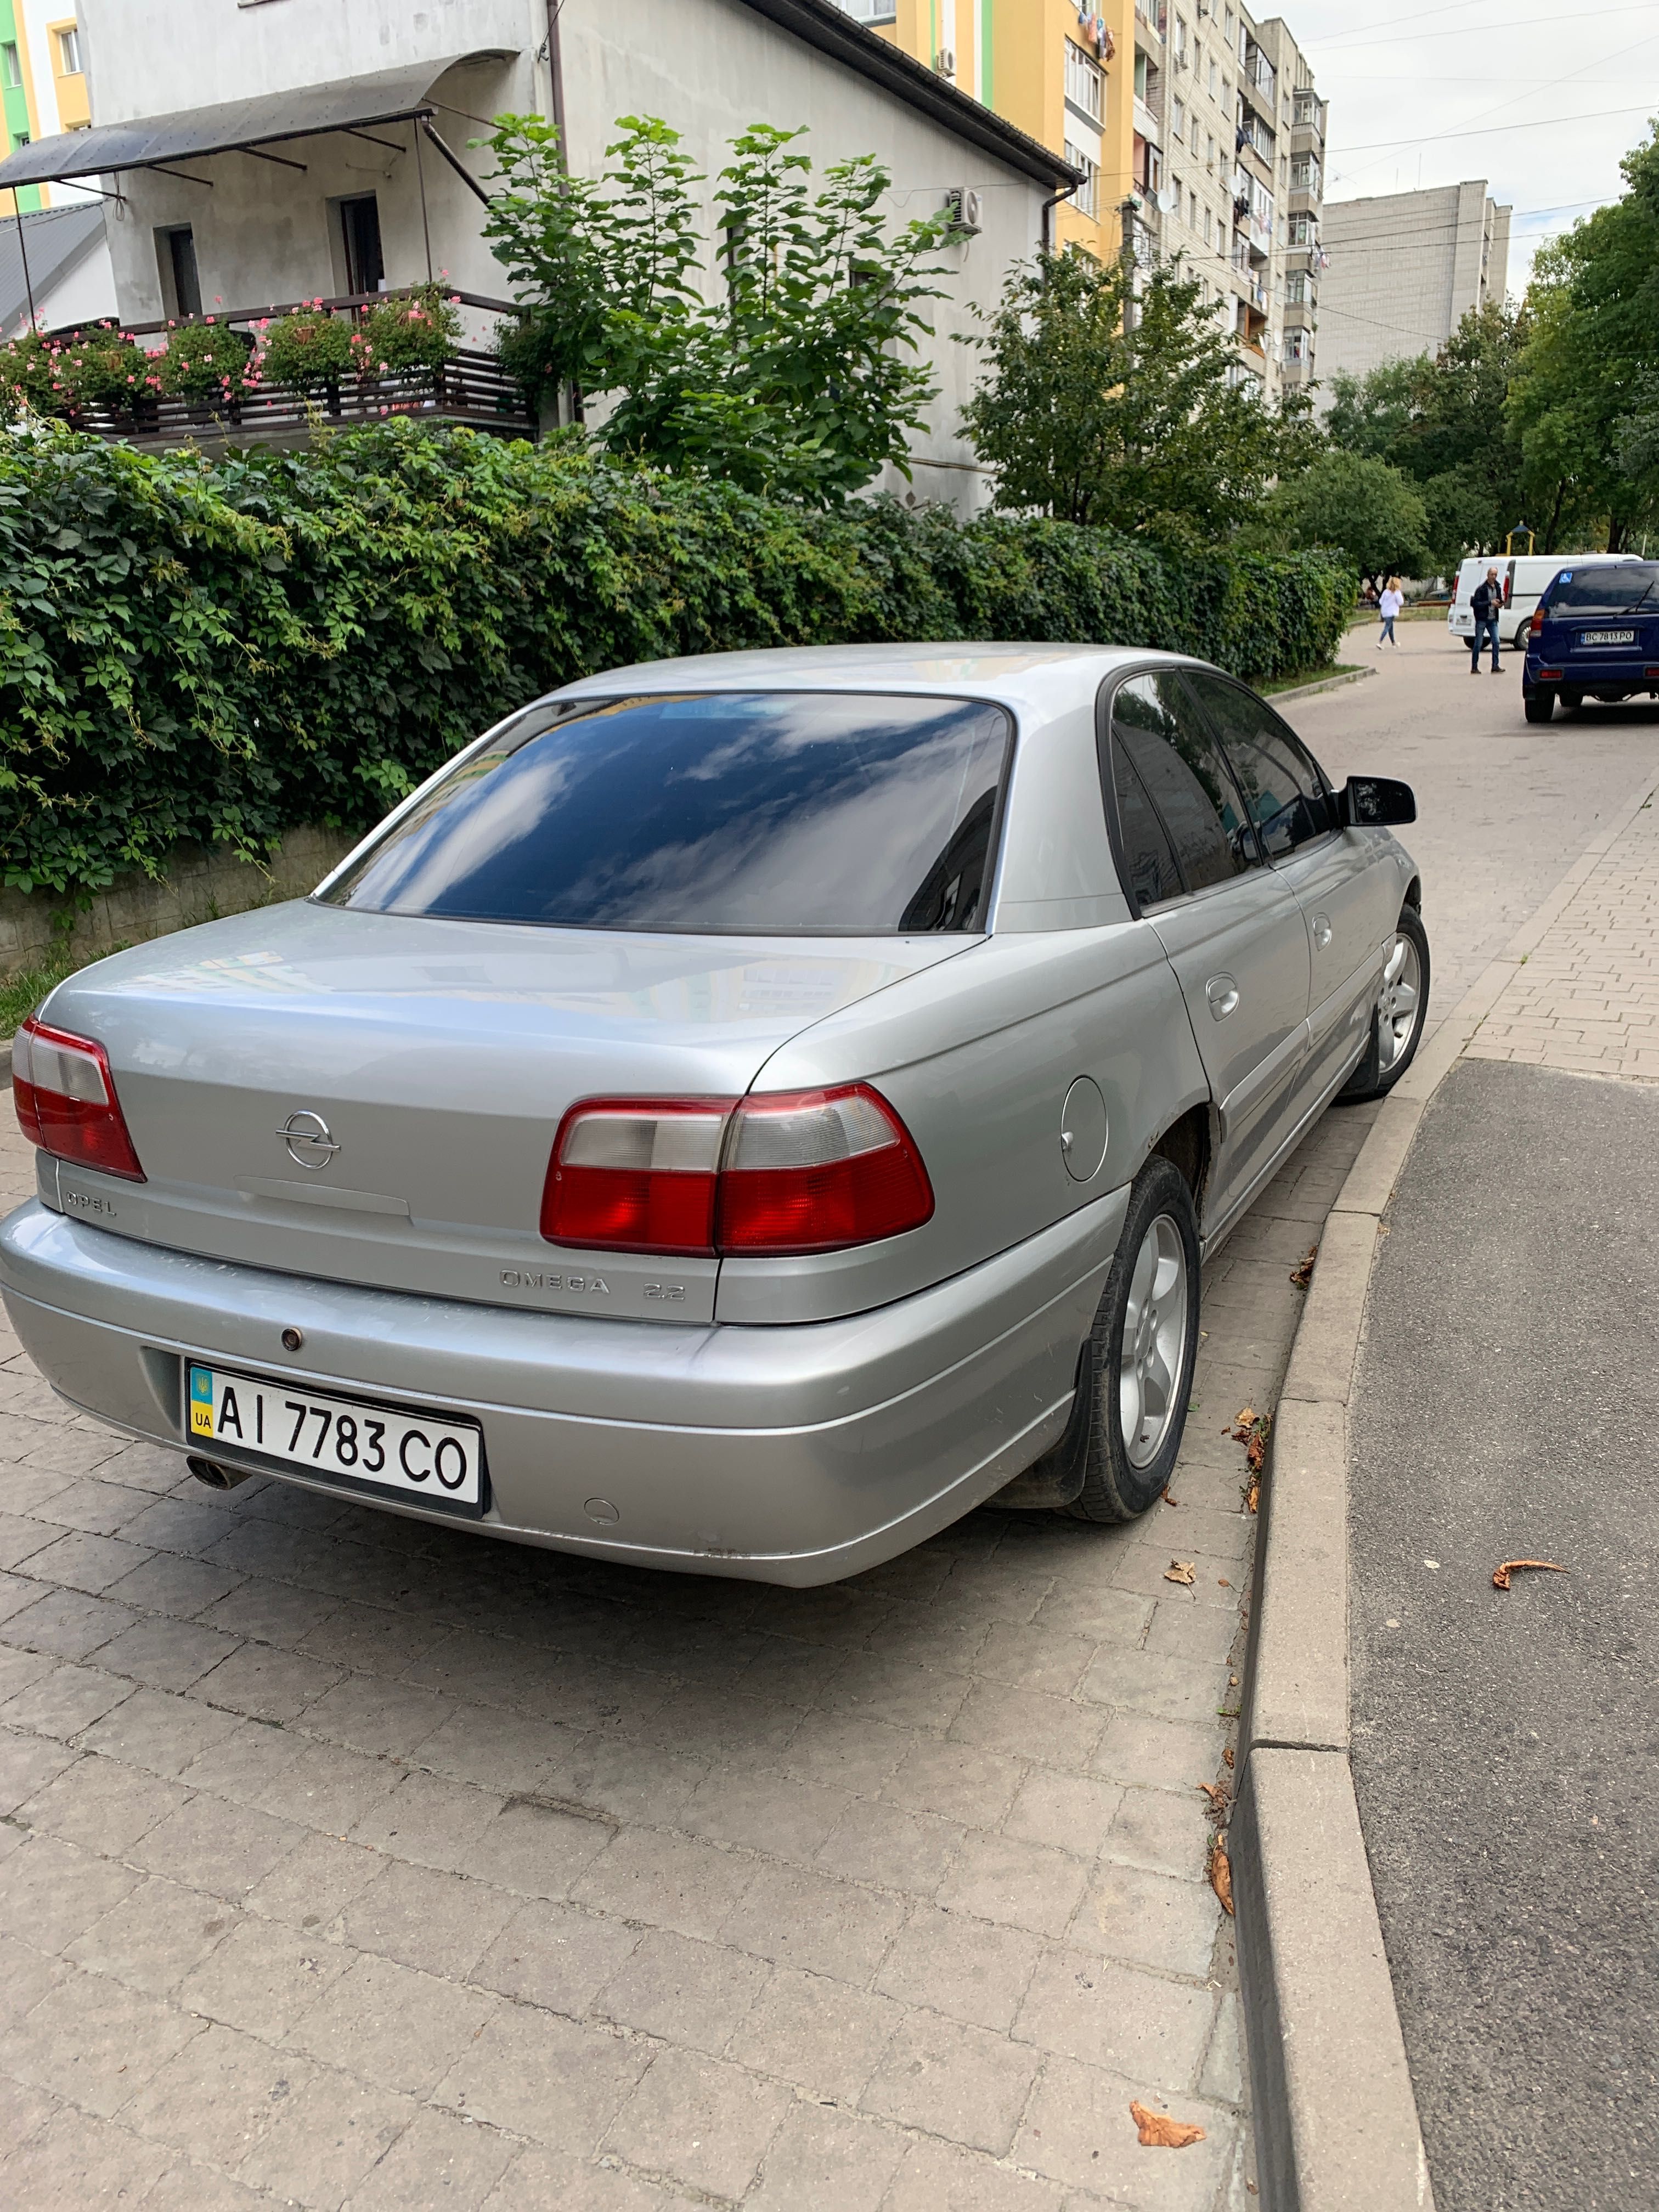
[1492,129]
[1459,30]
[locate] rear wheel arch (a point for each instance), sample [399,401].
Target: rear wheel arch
[1188,1145]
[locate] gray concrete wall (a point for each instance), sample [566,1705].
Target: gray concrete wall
[199,886]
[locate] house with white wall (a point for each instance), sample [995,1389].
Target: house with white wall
[265,152]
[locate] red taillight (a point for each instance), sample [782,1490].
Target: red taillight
[66,1103]
[774,1173]
[812,1170]
[636,1174]
[1537,622]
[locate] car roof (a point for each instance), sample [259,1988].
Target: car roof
[1041,677]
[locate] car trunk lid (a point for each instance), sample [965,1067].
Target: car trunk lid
[373,1098]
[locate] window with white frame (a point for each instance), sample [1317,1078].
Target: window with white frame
[68,40]
[1298,348]
[1177,118]
[1086,198]
[1086,83]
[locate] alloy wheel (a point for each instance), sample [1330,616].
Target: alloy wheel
[1400,1003]
[1154,1344]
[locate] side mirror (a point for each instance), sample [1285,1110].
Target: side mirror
[1376,802]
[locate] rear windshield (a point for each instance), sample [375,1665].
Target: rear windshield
[774,812]
[1606,591]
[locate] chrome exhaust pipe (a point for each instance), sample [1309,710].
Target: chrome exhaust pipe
[210,1472]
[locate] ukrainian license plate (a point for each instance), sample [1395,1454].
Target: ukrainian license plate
[1607,637]
[415,1455]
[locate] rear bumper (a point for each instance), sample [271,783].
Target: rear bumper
[795,1454]
[1625,677]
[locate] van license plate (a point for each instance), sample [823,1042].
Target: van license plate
[1607,637]
[414,1455]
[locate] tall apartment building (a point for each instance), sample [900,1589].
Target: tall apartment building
[1229,165]
[43,86]
[1059,70]
[1197,130]
[1405,268]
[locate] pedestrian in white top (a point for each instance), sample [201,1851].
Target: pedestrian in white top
[1388,606]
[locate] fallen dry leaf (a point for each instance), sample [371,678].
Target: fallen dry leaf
[1168,1500]
[1245,1415]
[1500,1579]
[1302,1273]
[1179,1571]
[1228,1754]
[1251,1429]
[1217,1797]
[1221,1873]
[1158,2131]
[1222,1583]
[1253,1493]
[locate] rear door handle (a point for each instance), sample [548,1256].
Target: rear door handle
[1322,931]
[1222,992]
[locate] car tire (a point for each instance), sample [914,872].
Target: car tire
[1136,1376]
[1540,706]
[1396,1020]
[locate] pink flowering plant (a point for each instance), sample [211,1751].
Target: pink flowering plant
[207,359]
[421,330]
[30,381]
[103,368]
[307,350]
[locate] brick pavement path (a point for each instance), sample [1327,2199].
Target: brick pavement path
[1586,998]
[345,1860]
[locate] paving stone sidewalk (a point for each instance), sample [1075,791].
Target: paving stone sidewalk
[347,1861]
[1586,1000]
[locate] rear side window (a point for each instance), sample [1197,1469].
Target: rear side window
[1183,780]
[1282,787]
[776,812]
[1606,590]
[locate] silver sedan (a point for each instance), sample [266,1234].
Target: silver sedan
[739,1115]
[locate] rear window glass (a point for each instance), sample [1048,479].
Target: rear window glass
[775,813]
[1606,591]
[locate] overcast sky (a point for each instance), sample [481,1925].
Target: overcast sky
[1414,92]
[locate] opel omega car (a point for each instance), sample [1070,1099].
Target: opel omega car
[740,1114]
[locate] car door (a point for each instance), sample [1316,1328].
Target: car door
[1349,899]
[1230,928]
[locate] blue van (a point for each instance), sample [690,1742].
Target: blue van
[1595,633]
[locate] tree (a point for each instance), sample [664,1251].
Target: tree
[1587,377]
[1147,427]
[792,376]
[1359,505]
[1442,421]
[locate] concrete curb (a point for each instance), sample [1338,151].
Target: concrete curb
[1335,2116]
[1325,684]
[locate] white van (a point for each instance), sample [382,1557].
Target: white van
[1523,577]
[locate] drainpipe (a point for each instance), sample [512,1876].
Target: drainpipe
[1047,218]
[555,72]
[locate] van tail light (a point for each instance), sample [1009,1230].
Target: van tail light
[1536,625]
[66,1104]
[772,1174]
[1509,587]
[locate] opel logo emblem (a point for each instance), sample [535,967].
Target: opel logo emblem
[310,1145]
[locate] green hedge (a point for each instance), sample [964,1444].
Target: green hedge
[218,651]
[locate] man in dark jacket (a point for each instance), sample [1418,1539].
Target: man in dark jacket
[1485,603]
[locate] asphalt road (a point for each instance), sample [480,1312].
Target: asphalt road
[1507,1405]
[1505,806]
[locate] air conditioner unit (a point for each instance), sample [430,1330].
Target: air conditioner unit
[944,62]
[1183,61]
[963,211]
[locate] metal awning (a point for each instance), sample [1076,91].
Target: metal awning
[235,125]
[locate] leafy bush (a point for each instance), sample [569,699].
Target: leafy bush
[220,651]
[29,378]
[420,331]
[205,361]
[307,350]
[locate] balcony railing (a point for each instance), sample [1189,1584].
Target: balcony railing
[470,387]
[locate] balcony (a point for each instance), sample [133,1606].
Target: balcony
[469,387]
[1153,15]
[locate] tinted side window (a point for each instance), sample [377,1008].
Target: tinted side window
[1149,865]
[1283,789]
[1185,778]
